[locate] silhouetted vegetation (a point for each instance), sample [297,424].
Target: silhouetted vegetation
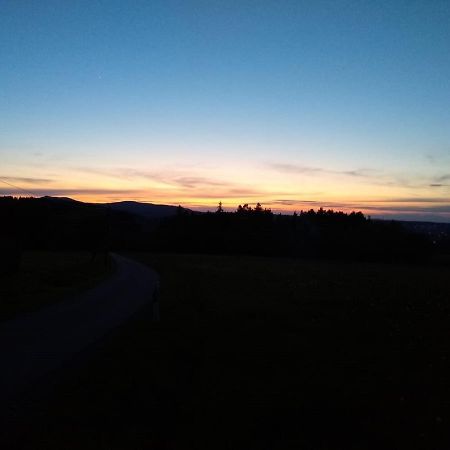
[300,350]
[64,224]
[321,233]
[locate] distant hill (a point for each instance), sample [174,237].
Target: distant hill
[63,223]
[143,210]
[146,210]
[60,199]
[58,223]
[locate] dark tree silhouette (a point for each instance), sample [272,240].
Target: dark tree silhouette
[43,223]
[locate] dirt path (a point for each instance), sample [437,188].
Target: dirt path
[34,345]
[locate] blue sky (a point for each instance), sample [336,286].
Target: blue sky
[342,103]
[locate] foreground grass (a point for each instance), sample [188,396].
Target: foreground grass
[46,277]
[262,353]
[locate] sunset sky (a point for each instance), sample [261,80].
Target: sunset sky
[296,104]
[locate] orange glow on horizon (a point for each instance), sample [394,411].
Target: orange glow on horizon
[202,189]
[368,208]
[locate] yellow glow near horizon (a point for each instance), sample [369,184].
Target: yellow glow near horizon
[202,188]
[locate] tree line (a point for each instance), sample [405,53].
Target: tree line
[313,233]
[53,224]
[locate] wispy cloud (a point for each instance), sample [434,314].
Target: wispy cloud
[169,177]
[443,178]
[374,177]
[409,200]
[73,192]
[438,158]
[195,182]
[310,170]
[294,168]
[119,172]
[293,202]
[28,180]
[222,193]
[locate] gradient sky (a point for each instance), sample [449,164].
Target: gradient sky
[297,104]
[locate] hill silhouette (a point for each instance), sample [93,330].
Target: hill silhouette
[56,223]
[146,210]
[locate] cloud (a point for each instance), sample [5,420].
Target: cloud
[409,208]
[73,191]
[120,172]
[172,179]
[209,192]
[373,176]
[439,157]
[292,202]
[445,177]
[356,173]
[26,180]
[195,182]
[410,200]
[309,170]
[231,193]
[296,169]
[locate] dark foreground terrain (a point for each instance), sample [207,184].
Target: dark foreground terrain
[46,277]
[261,353]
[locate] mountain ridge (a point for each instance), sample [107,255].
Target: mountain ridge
[145,210]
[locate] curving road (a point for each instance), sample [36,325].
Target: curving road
[34,345]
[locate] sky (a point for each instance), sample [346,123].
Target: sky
[294,104]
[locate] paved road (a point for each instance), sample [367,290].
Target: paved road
[32,346]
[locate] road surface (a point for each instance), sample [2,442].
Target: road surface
[34,345]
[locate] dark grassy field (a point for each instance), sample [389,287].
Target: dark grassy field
[258,353]
[46,277]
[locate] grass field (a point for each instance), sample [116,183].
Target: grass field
[258,353]
[46,277]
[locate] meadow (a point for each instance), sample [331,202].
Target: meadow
[266,353]
[46,277]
